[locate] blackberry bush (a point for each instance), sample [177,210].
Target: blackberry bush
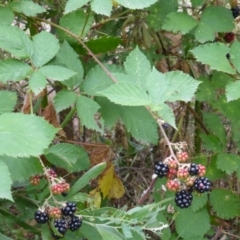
[183,199]
[161,169]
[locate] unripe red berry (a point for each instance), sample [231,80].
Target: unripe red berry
[173,185]
[182,156]
[172,173]
[202,170]
[182,173]
[229,37]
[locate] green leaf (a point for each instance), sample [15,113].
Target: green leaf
[6,16]
[45,47]
[185,22]
[103,7]
[213,173]
[215,57]
[225,203]
[211,142]
[137,67]
[100,45]
[86,110]
[112,112]
[8,101]
[92,85]
[24,135]
[108,233]
[182,87]
[196,3]
[140,123]
[56,72]
[214,123]
[199,201]
[22,168]
[220,80]
[159,11]
[64,99]
[37,82]
[87,177]
[228,162]
[73,5]
[5,182]
[3,237]
[70,59]
[15,41]
[13,70]
[214,19]
[89,231]
[193,220]
[127,94]
[235,55]
[77,22]
[28,8]
[70,157]
[233,91]
[205,91]
[136,4]
[158,87]
[166,113]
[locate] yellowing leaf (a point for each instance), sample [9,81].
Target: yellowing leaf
[96,198]
[105,180]
[117,189]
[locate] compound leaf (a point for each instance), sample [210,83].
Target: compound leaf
[185,22]
[86,110]
[45,47]
[15,41]
[8,101]
[127,94]
[13,70]
[64,99]
[28,8]
[225,203]
[24,135]
[5,182]
[216,57]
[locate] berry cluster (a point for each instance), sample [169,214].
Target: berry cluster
[235,11]
[60,188]
[183,178]
[69,209]
[35,180]
[41,217]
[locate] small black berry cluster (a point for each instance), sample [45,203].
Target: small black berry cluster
[41,217]
[69,209]
[235,11]
[183,198]
[161,169]
[202,184]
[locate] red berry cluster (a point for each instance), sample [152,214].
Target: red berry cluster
[54,213]
[60,188]
[183,176]
[35,180]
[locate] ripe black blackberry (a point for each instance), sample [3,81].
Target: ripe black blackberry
[202,184]
[228,56]
[193,170]
[69,209]
[75,223]
[161,169]
[41,217]
[60,225]
[235,12]
[64,194]
[183,199]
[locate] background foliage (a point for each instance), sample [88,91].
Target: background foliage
[82,85]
